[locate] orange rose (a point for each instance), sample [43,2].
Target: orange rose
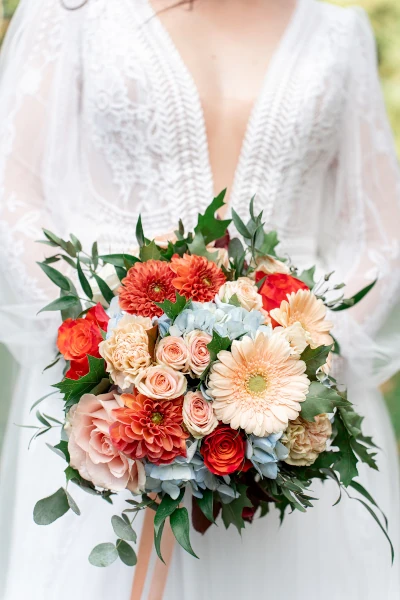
[98,315]
[77,338]
[78,369]
[223,450]
[276,287]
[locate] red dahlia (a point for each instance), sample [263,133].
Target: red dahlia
[147,428]
[145,284]
[197,278]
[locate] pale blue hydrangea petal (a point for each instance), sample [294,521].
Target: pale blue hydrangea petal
[265,453]
[170,489]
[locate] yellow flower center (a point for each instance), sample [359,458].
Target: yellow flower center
[206,281]
[257,384]
[157,418]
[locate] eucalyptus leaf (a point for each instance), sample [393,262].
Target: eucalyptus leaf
[122,529]
[72,504]
[50,509]
[103,555]
[126,553]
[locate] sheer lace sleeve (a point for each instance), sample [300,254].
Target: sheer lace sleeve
[360,236]
[39,98]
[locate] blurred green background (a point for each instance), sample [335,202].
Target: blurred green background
[385,18]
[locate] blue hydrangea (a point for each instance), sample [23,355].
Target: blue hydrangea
[115,313]
[265,453]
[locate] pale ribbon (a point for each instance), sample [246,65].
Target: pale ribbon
[160,572]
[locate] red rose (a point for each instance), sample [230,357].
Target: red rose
[79,337]
[276,287]
[78,368]
[223,450]
[98,315]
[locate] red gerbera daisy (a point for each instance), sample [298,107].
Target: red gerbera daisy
[197,278]
[145,284]
[147,428]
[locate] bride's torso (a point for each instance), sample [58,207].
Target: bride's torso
[152,133]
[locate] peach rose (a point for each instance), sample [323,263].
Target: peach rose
[126,351]
[199,355]
[305,440]
[198,415]
[91,450]
[246,292]
[173,352]
[269,265]
[161,383]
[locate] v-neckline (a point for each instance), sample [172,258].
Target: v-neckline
[288,38]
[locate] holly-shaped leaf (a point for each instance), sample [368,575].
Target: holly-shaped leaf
[307,277]
[173,309]
[198,247]
[150,252]
[217,344]
[232,512]
[320,399]
[208,225]
[314,359]
[345,460]
[73,389]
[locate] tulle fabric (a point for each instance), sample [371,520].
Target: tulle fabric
[353,197]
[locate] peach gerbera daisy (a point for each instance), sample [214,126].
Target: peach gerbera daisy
[145,284]
[304,308]
[258,386]
[197,278]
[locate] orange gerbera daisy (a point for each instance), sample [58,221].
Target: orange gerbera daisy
[197,278]
[147,428]
[146,284]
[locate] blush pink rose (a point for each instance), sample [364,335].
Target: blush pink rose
[199,354]
[161,383]
[198,415]
[173,352]
[91,450]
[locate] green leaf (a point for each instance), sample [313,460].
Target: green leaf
[105,290]
[269,244]
[69,261]
[240,226]
[41,400]
[180,528]
[56,451]
[361,490]
[364,454]
[74,389]
[72,474]
[198,247]
[314,359]
[320,399]
[234,300]
[55,276]
[63,303]
[103,555]
[119,260]
[173,309]
[52,237]
[307,277]
[217,344]
[76,242]
[157,540]
[349,302]
[63,447]
[72,504]
[126,553]
[52,364]
[210,227]
[371,512]
[121,272]
[50,509]
[139,232]
[149,252]
[351,420]
[122,529]
[232,512]
[345,460]
[206,505]
[95,255]
[165,509]
[83,281]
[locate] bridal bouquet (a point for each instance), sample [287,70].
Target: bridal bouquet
[200,363]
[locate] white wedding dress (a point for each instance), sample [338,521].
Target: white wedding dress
[101,120]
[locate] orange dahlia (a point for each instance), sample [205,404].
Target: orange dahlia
[147,428]
[146,284]
[197,278]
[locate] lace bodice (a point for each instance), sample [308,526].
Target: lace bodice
[101,120]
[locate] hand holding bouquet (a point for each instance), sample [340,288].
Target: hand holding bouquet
[209,371]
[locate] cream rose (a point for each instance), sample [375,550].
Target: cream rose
[199,355]
[161,383]
[109,275]
[198,415]
[269,265]
[305,440]
[173,352]
[91,450]
[246,292]
[126,351]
